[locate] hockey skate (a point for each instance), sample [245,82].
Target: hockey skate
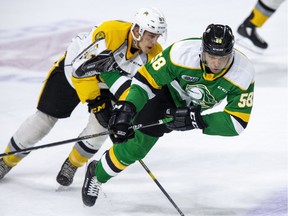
[4,168]
[66,174]
[249,38]
[91,186]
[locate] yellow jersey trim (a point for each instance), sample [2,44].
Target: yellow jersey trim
[143,71]
[244,116]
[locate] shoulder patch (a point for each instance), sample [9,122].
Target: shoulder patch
[99,35]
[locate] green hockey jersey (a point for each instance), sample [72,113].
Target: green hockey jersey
[180,68]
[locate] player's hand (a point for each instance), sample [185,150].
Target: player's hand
[121,121]
[102,109]
[187,118]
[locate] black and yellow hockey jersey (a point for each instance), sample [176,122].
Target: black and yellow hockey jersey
[112,35]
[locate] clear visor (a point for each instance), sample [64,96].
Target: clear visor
[163,38]
[216,62]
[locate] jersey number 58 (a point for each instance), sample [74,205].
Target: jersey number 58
[158,61]
[246,99]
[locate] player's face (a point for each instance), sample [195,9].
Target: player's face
[148,41]
[216,63]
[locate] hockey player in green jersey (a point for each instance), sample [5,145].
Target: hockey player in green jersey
[188,77]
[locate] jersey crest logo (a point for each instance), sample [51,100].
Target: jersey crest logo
[99,35]
[200,95]
[190,78]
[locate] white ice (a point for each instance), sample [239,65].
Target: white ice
[204,175]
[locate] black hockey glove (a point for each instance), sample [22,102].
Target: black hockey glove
[187,118]
[121,121]
[102,108]
[103,62]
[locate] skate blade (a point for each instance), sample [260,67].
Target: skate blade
[63,188]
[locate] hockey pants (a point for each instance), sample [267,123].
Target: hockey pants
[120,156]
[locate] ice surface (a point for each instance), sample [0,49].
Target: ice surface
[204,175]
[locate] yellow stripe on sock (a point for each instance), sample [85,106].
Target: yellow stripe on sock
[115,161]
[258,19]
[11,160]
[76,158]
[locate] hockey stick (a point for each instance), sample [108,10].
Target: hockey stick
[54,144]
[135,127]
[161,188]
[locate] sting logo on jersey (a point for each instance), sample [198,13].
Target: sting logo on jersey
[189,78]
[200,95]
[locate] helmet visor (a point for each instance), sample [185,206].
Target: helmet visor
[216,63]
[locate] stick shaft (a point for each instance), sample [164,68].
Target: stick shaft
[135,127]
[161,188]
[54,144]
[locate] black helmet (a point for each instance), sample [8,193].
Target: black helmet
[218,40]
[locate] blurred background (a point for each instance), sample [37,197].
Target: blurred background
[236,176]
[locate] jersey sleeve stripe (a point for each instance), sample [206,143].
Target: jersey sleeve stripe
[124,94]
[143,71]
[120,83]
[144,87]
[237,125]
[243,116]
[122,89]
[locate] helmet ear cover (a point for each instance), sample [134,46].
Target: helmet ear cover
[218,40]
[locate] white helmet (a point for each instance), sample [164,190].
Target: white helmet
[151,20]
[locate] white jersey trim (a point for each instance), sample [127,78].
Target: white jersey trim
[238,127]
[118,83]
[181,92]
[144,87]
[242,72]
[186,54]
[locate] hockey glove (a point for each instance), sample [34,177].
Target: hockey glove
[102,109]
[187,118]
[103,62]
[121,121]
